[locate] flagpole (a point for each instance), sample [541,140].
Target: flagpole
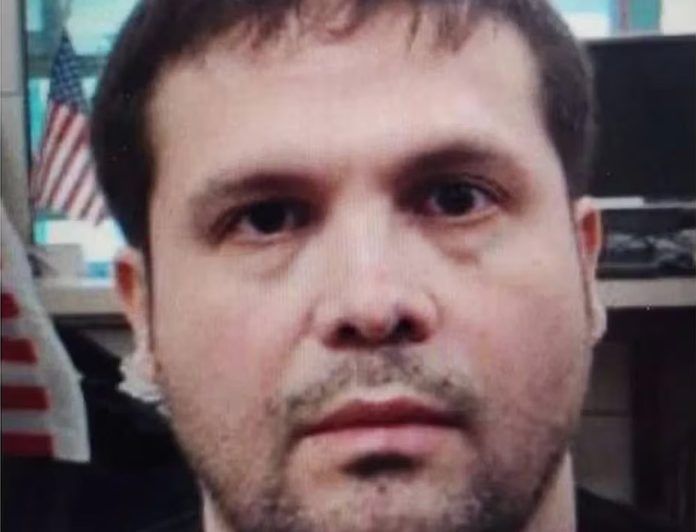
[65,7]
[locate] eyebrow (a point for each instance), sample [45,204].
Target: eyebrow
[225,186]
[448,154]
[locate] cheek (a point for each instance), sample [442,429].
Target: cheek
[536,305]
[537,354]
[221,348]
[527,337]
[530,362]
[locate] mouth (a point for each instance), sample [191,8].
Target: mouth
[393,413]
[400,427]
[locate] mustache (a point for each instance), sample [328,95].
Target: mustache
[412,371]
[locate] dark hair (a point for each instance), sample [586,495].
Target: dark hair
[160,32]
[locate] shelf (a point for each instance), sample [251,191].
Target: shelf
[649,293]
[639,203]
[67,298]
[76,298]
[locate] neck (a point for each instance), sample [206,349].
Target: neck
[555,513]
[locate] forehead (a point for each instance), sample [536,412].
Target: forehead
[309,98]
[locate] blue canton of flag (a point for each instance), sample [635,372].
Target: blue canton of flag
[66,86]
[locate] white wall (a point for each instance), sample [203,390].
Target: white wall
[678,16]
[12,120]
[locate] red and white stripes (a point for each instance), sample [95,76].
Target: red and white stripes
[24,399]
[43,410]
[64,178]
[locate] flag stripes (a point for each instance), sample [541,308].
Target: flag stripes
[25,401]
[20,373]
[10,309]
[20,350]
[23,397]
[19,444]
[43,411]
[26,422]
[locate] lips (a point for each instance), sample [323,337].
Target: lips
[394,413]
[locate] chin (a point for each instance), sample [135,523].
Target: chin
[394,503]
[394,498]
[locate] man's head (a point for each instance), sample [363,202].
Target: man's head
[370,294]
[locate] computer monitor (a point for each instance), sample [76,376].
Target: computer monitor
[646,92]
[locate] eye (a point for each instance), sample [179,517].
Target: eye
[455,199]
[267,219]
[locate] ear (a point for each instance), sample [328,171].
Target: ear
[588,227]
[132,289]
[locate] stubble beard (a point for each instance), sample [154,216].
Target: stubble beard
[491,499]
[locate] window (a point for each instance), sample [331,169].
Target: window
[92,26]
[602,18]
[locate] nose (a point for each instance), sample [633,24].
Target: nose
[374,303]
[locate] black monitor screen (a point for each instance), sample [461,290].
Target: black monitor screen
[646,91]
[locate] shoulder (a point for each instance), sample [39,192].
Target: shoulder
[595,513]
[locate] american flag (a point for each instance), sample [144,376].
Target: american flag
[63,178]
[43,409]
[24,397]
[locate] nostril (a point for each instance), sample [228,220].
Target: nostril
[347,334]
[357,321]
[403,331]
[406,331]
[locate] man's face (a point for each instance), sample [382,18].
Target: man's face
[369,307]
